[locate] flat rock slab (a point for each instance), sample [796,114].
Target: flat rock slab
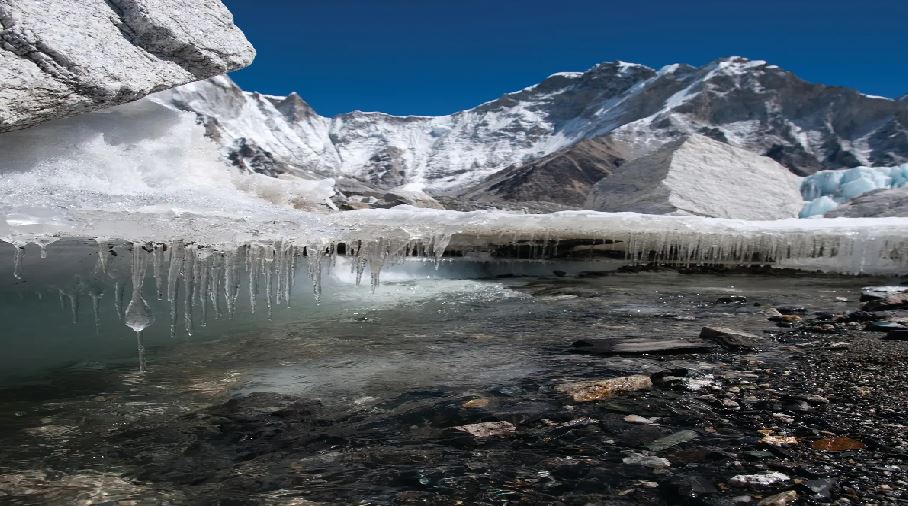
[730,338]
[639,346]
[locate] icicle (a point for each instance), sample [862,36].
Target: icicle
[252,275]
[138,315]
[96,309]
[231,284]
[118,299]
[439,244]
[17,260]
[157,262]
[173,274]
[74,306]
[204,267]
[187,275]
[314,262]
[267,266]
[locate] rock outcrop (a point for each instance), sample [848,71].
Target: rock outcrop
[879,203]
[701,176]
[59,58]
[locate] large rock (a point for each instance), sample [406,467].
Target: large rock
[880,203]
[59,57]
[701,176]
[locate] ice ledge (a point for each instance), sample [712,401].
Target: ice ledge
[847,245]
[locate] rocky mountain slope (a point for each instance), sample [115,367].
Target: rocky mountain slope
[691,177]
[61,58]
[550,142]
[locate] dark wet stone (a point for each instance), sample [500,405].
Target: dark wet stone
[639,346]
[789,310]
[860,316]
[559,274]
[672,440]
[729,338]
[689,487]
[883,326]
[897,335]
[731,299]
[894,301]
[822,488]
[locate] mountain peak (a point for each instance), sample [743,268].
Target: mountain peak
[903,98]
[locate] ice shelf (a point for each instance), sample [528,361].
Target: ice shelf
[845,245]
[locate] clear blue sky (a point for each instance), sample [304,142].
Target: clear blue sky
[437,57]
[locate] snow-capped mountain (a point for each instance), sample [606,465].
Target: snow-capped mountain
[552,141]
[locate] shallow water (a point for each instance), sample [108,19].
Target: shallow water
[352,399]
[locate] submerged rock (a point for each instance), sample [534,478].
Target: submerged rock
[58,59]
[729,338]
[781,499]
[487,429]
[639,346]
[595,390]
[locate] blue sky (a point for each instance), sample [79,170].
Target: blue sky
[437,57]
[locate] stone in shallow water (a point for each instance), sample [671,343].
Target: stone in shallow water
[488,429]
[595,390]
[781,499]
[672,440]
[729,338]
[639,346]
[837,444]
[638,459]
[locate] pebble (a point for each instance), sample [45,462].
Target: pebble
[639,419]
[763,479]
[781,499]
[639,459]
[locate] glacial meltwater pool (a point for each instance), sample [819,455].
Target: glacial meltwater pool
[366,397]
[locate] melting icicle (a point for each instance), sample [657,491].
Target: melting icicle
[157,261]
[118,299]
[267,266]
[17,260]
[252,275]
[187,275]
[138,315]
[95,297]
[314,261]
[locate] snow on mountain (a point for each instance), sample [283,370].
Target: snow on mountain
[500,150]
[702,177]
[826,190]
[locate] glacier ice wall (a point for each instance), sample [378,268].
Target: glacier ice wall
[825,190]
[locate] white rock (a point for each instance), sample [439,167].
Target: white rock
[59,58]
[763,479]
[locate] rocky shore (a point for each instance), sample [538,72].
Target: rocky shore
[718,399]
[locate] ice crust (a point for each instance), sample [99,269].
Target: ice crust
[826,190]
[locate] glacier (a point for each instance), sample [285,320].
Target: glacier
[826,190]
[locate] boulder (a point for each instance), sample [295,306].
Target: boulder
[729,338]
[61,58]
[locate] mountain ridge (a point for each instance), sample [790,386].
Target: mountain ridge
[631,108]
